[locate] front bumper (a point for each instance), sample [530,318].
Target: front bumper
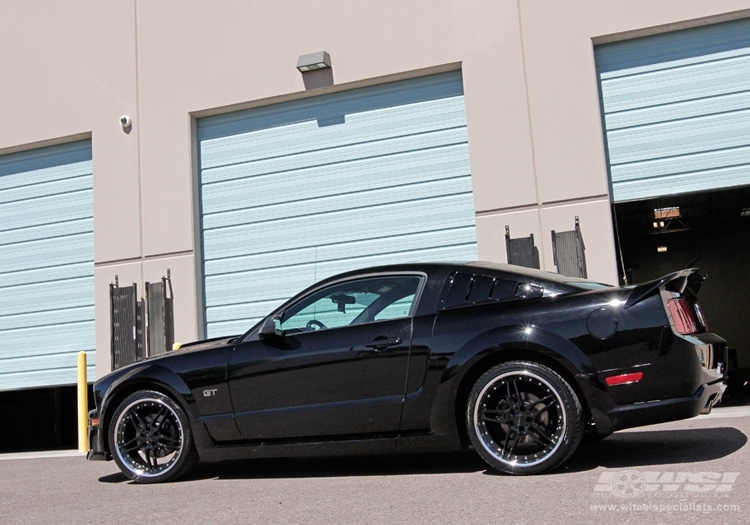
[93,455]
[97,452]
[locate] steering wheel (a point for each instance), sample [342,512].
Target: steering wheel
[314,324]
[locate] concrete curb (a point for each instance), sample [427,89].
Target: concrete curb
[40,454]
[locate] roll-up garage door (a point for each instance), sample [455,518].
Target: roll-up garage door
[294,192]
[46,265]
[677,111]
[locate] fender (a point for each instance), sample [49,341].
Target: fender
[518,337]
[156,375]
[503,339]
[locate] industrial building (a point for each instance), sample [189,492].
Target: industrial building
[210,159]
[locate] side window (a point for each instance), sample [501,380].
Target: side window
[400,308]
[354,302]
[329,310]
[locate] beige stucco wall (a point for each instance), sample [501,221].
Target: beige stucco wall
[72,68]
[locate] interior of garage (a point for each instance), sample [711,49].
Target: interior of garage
[40,419]
[709,231]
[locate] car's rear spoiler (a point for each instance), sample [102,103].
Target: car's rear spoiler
[686,282]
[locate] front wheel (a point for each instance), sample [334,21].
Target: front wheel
[523,418]
[150,438]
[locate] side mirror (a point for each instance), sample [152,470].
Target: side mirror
[271,328]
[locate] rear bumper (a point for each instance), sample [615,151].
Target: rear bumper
[640,414]
[686,379]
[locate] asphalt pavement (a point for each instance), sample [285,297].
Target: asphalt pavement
[693,471]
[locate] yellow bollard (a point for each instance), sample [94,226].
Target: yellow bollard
[83,404]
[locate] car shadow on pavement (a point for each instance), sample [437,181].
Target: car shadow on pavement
[325,467]
[656,447]
[343,466]
[620,450]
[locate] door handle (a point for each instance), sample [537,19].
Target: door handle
[382,342]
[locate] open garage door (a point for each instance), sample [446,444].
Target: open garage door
[46,265]
[677,111]
[294,192]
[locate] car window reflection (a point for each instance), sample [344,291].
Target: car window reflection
[354,302]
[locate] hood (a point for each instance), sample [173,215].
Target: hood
[203,344]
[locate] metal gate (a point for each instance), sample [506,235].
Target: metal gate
[140,327]
[521,251]
[569,252]
[126,319]
[160,316]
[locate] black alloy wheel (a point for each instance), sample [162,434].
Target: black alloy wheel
[524,418]
[150,438]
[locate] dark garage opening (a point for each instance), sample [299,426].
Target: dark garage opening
[39,419]
[710,231]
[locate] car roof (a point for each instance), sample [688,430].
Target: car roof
[533,273]
[434,268]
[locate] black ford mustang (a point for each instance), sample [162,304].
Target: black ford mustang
[518,364]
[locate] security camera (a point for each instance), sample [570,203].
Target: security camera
[125,121]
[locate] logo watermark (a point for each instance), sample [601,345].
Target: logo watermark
[658,491]
[633,483]
[695,507]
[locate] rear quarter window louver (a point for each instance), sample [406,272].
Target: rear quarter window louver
[465,289]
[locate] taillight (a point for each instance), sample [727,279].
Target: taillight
[683,314]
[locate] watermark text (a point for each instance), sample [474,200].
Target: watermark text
[632,483]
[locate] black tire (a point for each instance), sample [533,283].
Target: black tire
[523,418]
[150,438]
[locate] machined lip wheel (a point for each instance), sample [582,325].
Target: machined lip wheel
[149,437]
[518,418]
[524,418]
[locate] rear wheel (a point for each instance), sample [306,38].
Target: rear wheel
[523,418]
[150,438]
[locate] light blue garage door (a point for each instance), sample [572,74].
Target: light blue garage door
[294,192]
[677,111]
[46,265]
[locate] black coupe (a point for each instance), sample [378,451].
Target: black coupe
[518,364]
